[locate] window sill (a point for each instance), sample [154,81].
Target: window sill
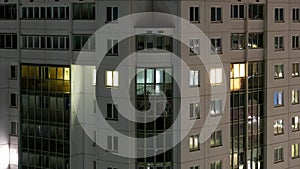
[237,19]
[13,107]
[194,86]
[277,78]
[112,151]
[279,21]
[255,19]
[13,135]
[295,157]
[278,50]
[296,48]
[194,22]
[214,146]
[13,78]
[193,54]
[111,119]
[238,49]
[278,134]
[193,150]
[214,22]
[216,53]
[111,87]
[215,115]
[112,22]
[294,76]
[277,106]
[279,161]
[295,130]
[295,103]
[256,48]
[194,118]
[112,54]
[48,19]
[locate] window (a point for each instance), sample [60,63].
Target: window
[194,14]
[256,40]
[112,79]
[278,99]
[256,11]
[296,13]
[216,76]
[278,71]
[278,127]
[112,111]
[84,42]
[216,45]
[112,47]
[154,42]
[295,150]
[216,139]
[216,164]
[8,12]
[45,42]
[295,69]
[194,143]
[237,41]
[194,78]
[57,12]
[13,100]
[215,107]
[216,14]
[13,71]
[194,111]
[278,154]
[278,43]
[237,11]
[14,128]
[8,41]
[295,123]
[94,164]
[279,15]
[194,167]
[295,96]
[295,42]
[111,14]
[194,46]
[84,11]
[112,143]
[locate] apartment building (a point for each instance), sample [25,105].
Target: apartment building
[50,102]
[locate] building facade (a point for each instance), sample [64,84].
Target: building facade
[50,101]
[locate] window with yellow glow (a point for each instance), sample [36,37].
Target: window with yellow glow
[295,150]
[194,143]
[237,73]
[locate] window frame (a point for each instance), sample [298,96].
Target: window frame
[114,144]
[11,132]
[278,43]
[278,155]
[194,46]
[113,110]
[192,12]
[296,15]
[278,127]
[213,73]
[112,78]
[259,15]
[295,42]
[278,71]
[259,36]
[11,96]
[215,105]
[277,95]
[113,16]
[13,74]
[279,15]
[216,11]
[239,37]
[216,45]
[112,47]
[295,151]
[295,97]
[295,124]
[194,109]
[194,143]
[216,139]
[239,13]
[194,78]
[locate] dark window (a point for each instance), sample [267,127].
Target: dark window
[8,11]
[256,11]
[216,14]
[255,40]
[13,100]
[237,11]
[194,14]
[111,13]
[84,11]
[13,71]
[279,15]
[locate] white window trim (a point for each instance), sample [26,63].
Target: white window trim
[194,78]
[214,80]
[114,80]
[114,148]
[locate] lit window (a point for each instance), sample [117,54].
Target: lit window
[84,11]
[278,154]
[278,127]
[278,98]
[295,70]
[256,40]
[216,164]
[278,43]
[112,79]
[194,46]
[216,14]
[295,42]
[237,73]
[278,71]
[194,78]
[94,76]
[295,150]
[216,76]
[13,71]
[112,111]
[112,143]
[295,96]
[279,15]
[13,100]
[216,107]
[111,14]
[112,47]
[216,45]
[194,110]
[194,14]
[237,11]
[194,143]
[237,41]
[14,128]
[295,123]
[256,11]
[216,139]
[296,14]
